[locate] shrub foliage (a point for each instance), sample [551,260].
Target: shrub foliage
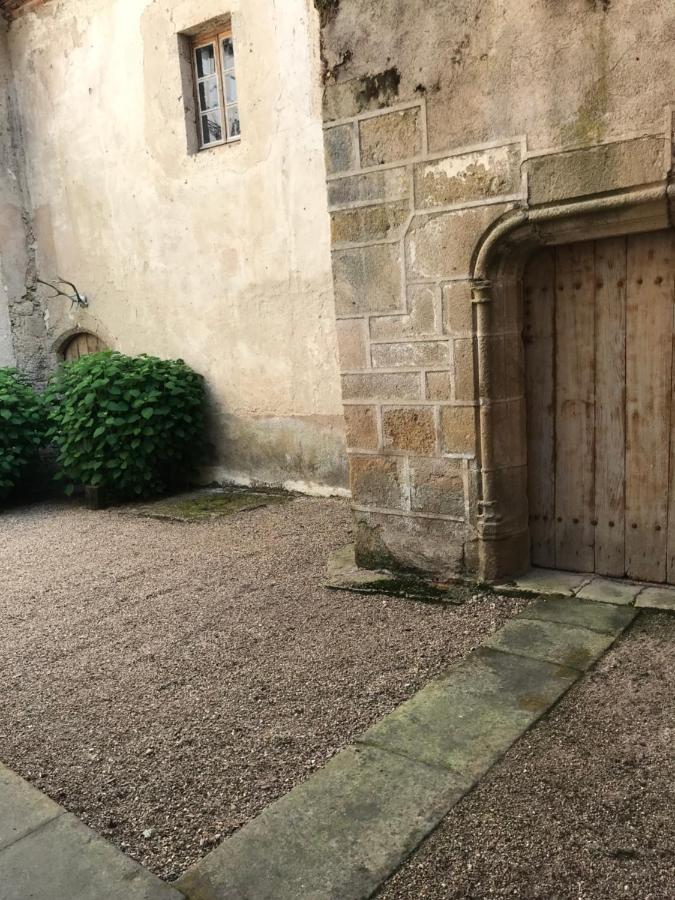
[133,426]
[21,428]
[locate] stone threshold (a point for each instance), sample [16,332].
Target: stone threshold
[349,826]
[556,583]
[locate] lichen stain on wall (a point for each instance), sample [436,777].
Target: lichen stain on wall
[220,256]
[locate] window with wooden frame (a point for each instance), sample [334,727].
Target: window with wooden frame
[215,88]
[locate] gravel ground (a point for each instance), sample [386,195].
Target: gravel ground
[583,806]
[166,681]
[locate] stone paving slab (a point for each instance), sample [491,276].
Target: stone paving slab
[545,581]
[54,856]
[566,645]
[22,809]
[657,598]
[606,590]
[602,617]
[469,718]
[337,835]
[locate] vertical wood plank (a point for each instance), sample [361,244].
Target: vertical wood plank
[538,337]
[575,402]
[649,328]
[610,405]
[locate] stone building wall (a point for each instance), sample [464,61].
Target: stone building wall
[23,332]
[458,138]
[219,256]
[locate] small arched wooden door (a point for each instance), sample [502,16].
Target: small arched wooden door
[598,332]
[82,344]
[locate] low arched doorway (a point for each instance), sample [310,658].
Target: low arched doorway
[81,344]
[598,334]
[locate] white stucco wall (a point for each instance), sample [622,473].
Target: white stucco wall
[220,257]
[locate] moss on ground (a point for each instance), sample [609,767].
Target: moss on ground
[211,505]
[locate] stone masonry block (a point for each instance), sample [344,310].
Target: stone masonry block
[397,386]
[419,322]
[433,546]
[361,427]
[368,223]
[347,98]
[377,481]
[438,385]
[469,176]
[387,185]
[351,338]
[411,429]
[437,486]
[414,353]
[457,308]
[340,149]
[390,137]
[587,172]
[368,280]
[441,246]
[464,369]
[458,429]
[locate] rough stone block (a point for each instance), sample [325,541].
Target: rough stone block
[347,98]
[457,308]
[416,353]
[438,385]
[420,321]
[387,185]
[382,386]
[368,280]
[566,645]
[464,369]
[337,835]
[441,245]
[479,175]
[592,171]
[390,137]
[361,427]
[368,223]
[340,149]
[437,486]
[458,429]
[469,718]
[409,428]
[602,617]
[351,338]
[545,581]
[431,546]
[377,481]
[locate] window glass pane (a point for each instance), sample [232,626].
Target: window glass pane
[211,127]
[230,88]
[206,60]
[233,127]
[228,53]
[208,94]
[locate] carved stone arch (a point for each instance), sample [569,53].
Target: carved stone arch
[78,341]
[501,514]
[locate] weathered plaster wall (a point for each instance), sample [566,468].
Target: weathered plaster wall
[219,256]
[444,123]
[22,325]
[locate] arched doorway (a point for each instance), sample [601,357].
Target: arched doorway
[598,333]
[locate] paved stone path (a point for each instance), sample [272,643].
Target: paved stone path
[48,854]
[349,826]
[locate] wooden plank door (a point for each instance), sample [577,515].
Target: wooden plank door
[598,332]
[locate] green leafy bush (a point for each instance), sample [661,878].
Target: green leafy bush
[22,428]
[133,426]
